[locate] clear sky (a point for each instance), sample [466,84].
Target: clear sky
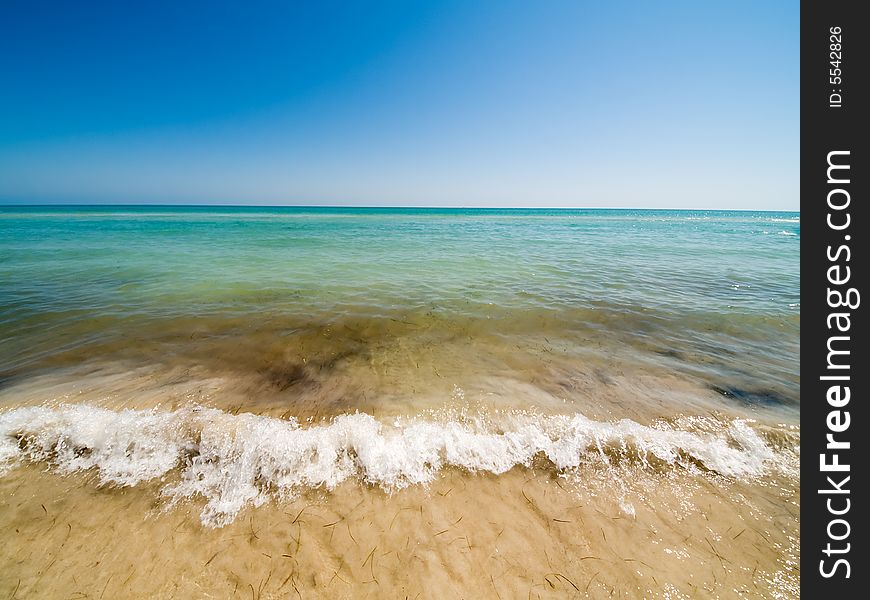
[467,103]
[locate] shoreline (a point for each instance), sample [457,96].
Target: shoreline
[516,534]
[621,519]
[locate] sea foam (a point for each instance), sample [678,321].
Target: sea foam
[233,461]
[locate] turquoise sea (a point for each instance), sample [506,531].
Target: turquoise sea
[712,296]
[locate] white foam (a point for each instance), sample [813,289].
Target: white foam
[237,460]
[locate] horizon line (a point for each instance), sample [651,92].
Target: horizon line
[376,206]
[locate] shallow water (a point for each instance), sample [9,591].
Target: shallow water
[204,368]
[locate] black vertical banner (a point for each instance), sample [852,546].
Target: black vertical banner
[835,369]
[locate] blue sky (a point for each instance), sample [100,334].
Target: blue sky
[629,104]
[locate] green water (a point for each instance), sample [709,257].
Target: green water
[709,294]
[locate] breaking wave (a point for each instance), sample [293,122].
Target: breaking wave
[233,461]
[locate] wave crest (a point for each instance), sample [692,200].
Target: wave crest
[233,461]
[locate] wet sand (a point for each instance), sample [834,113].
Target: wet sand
[528,533]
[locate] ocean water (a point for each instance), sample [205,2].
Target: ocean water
[716,293]
[233,361]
